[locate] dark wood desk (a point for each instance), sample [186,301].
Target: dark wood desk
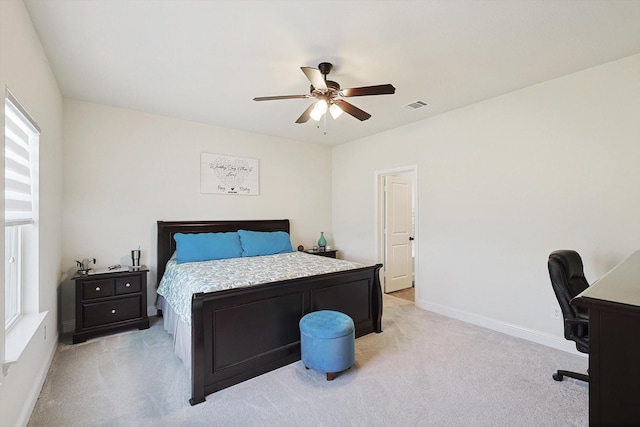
[614,345]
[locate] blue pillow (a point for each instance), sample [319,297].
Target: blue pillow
[207,246]
[256,243]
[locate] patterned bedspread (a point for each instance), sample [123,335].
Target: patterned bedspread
[181,281]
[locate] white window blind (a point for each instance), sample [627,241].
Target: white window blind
[18,194]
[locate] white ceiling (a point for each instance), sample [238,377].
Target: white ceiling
[205,61]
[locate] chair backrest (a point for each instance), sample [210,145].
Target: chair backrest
[567,279]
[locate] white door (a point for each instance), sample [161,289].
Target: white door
[398,265]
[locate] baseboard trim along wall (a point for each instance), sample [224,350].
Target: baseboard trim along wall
[68,326]
[152,311]
[34,393]
[503,327]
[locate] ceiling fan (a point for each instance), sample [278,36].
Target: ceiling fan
[330,95]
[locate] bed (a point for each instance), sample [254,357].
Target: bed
[238,334]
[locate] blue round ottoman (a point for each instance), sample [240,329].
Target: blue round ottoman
[327,341]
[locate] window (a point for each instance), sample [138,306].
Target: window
[12,279]
[20,172]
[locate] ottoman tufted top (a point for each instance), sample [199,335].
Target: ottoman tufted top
[326,324]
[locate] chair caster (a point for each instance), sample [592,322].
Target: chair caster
[557,376]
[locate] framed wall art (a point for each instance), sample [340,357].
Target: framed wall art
[221,174]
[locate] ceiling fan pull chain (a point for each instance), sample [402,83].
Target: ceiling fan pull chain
[325,123]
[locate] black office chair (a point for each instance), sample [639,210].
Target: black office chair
[567,279]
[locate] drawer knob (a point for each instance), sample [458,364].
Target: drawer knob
[128,285]
[97,288]
[113,312]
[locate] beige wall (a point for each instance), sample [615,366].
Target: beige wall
[25,70]
[125,170]
[501,184]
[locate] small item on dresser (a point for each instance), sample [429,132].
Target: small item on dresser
[135,258]
[300,248]
[83,266]
[322,242]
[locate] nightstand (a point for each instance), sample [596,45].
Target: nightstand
[329,254]
[110,301]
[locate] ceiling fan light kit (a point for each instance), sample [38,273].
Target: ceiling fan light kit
[330,96]
[318,110]
[335,111]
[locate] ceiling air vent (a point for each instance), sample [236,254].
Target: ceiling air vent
[415,105]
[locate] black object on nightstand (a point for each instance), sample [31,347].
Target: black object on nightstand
[109,302]
[329,253]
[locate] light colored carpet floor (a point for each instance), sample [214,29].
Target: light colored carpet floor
[423,370]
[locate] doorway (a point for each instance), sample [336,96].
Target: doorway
[396,229]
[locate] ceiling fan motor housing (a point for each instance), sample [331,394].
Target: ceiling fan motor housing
[333,88]
[333,85]
[325,68]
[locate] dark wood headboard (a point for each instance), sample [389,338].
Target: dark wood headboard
[166,230]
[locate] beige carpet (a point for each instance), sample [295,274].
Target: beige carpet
[423,370]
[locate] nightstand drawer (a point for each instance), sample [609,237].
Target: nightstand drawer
[102,313]
[92,289]
[110,301]
[127,285]
[330,253]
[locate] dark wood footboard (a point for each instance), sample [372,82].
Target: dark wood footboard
[238,334]
[241,333]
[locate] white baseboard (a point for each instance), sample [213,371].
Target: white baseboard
[500,326]
[152,310]
[34,393]
[68,326]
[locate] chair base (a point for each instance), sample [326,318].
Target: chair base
[575,375]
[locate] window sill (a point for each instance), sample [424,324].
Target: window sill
[19,336]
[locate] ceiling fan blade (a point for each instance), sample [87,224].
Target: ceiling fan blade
[369,90]
[352,109]
[273,98]
[315,77]
[304,118]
